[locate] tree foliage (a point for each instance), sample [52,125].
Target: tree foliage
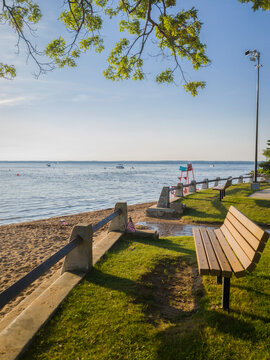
[258,4]
[266,152]
[265,165]
[146,24]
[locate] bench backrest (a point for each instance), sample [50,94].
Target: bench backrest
[246,239]
[228,183]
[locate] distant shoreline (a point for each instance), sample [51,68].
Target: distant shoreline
[130,161]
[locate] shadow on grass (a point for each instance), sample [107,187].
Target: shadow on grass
[203,215]
[112,282]
[168,292]
[262,203]
[266,277]
[250,288]
[165,243]
[254,317]
[187,340]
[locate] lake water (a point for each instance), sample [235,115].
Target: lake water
[32,190]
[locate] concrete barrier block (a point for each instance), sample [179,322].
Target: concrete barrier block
[205,184]
[217,181]
[179,191]
[164,199]
[119,223]
[192,186]
[80,258]
[240,180]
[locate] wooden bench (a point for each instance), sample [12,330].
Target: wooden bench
[234,248]
[222,188]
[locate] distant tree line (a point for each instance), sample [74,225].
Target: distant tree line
[265,165]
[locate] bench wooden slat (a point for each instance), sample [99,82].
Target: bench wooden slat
[200,252]
[250,225]
[210,253]
[239,252]
[248,250]
[235,264]
[223,262]
[224,186]
[220,187]
[250,238]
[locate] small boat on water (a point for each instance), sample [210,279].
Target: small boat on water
[48,165]
[212,165]
[119,166]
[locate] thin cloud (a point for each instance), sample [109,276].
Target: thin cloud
[12,101]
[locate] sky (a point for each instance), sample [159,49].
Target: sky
[77,114]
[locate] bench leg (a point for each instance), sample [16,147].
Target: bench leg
[226,293]
[219,280]
[220,195]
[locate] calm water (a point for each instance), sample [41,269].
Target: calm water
[64,188]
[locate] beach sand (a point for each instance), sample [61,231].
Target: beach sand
[25,245]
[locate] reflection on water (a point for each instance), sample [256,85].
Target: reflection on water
[171,229]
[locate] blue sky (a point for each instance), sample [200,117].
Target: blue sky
[76,114]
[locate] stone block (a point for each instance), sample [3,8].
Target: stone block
[240,180]
[164,199]
[173,212]
[217,181]
[205,184]
[255,186]
[179,191]
[192,186]
[119,223]
[80,258]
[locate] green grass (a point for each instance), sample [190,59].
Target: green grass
[115,313]
[205,207]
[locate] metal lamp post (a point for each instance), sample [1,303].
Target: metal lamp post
[255,55]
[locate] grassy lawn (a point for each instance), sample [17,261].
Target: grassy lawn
[145,300]
[204,206]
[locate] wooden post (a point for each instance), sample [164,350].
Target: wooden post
[80,258]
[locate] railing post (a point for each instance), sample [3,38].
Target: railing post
[119,223]
[216,181]
[164,199]
[240,179]
[192,186]
[205,184]
[80,258]
[179,191]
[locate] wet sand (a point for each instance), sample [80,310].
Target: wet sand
[25,245]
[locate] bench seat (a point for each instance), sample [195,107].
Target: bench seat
[234,248]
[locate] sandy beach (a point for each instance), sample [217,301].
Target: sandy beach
[25,245]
